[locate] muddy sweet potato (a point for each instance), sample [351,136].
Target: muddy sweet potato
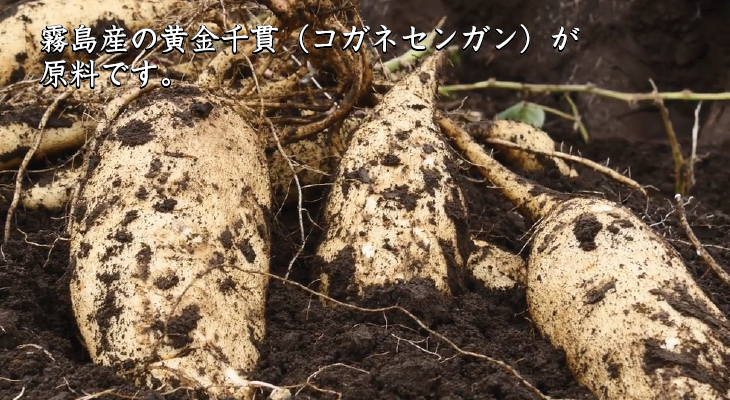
[171,214]
[610,292]
[22,25]
[525,135]
[495,268]
[396,211]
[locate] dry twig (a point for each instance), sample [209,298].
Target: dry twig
[577,118]
[587,88]
[680,179]
[706,257]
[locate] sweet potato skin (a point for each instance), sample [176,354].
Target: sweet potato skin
[20,29]
[396,210]
[173,212]
[495,268]
[528,136]
[611,293]
[619,300]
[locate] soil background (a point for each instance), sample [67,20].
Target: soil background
[677,43]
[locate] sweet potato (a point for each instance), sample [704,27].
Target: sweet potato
[525,135]
[316,160]
[71,125]
[612,294]
[496,268]
[52,193]
[67,128]
[21,28]
[315,163]
[172,212]
[396,211]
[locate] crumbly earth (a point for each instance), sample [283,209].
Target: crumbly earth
[384,355]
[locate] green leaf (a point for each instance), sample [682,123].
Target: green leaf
[411,56]
[454,54]
[528,113]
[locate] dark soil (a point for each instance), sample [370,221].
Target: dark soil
[677,43]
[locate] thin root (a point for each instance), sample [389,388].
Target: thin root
[291,167]
[579,160]
[26,160]
[501,364]
[328,391]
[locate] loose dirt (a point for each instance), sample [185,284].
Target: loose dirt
[380,355]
